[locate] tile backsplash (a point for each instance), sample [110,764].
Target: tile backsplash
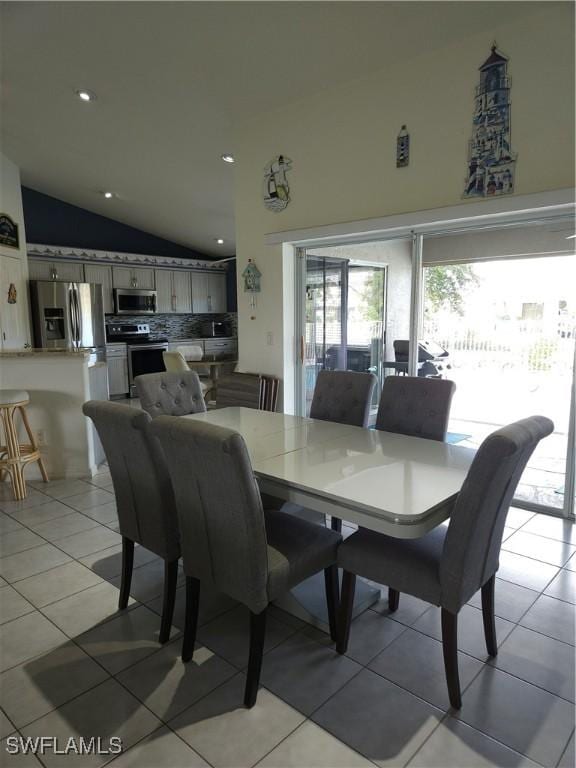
[176,326]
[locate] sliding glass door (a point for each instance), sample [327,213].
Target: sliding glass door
[356,304]
[491,307]
[508,323]
[325,328]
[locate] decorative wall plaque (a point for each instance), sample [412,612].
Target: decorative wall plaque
[8,231]
[490,158]
[402,148]
[276,187]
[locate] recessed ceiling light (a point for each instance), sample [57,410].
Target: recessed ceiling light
[85,95]
[219,241]
[108,195]
[228,158]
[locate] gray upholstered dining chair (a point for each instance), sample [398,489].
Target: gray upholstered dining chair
[447,566]
[343,397]
[229,541]
[420,407]
[170,394]
[144,495]
[412,405]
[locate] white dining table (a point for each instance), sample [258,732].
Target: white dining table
[395,484]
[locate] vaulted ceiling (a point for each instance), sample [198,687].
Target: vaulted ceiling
[173,81]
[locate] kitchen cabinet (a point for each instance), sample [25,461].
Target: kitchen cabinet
[208,293]
[217,293]
[14,330]
[224,347]
[133,277]
[182,291]
[174,291]
[101,273]
[42,269]
[117,360]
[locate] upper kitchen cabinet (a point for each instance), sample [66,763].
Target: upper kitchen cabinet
[41,269]
[14,330]
[101,273]
[174,291]
[133,277]
[182,291]
[208,293]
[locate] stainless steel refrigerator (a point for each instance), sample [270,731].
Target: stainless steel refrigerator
[68,315]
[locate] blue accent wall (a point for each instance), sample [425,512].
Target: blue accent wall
[50,221]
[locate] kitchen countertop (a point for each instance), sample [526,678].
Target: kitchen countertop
[203,338]
[187,340]
[43,352]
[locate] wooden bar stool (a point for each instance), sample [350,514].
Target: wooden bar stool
[14,456]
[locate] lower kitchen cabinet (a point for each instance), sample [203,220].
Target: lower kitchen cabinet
[117,359]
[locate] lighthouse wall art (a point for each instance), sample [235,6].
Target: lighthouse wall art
[491,162]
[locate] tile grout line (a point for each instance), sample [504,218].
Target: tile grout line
[363,666]
[566,747]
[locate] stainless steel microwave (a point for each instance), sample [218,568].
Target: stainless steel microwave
[133,301]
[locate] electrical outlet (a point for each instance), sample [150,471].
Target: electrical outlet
[41,437]
[270,339]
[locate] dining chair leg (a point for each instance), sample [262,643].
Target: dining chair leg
[191,619]
[488,616]
[393,599]
[331,582]
[345,613]
[257,634]
[450,649]
[336,524]
[170,579]
[127,565]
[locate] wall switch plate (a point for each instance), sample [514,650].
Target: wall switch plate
[270,339]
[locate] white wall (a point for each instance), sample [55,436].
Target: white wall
[14,318]
[342,144]
[58,385]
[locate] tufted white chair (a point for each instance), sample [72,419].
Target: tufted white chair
[175,393]
[174,362]
[195,352]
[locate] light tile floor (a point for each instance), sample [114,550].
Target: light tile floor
[72,665]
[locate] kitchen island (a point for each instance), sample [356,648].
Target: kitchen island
[59,381]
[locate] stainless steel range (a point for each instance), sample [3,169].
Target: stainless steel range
[144,351]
